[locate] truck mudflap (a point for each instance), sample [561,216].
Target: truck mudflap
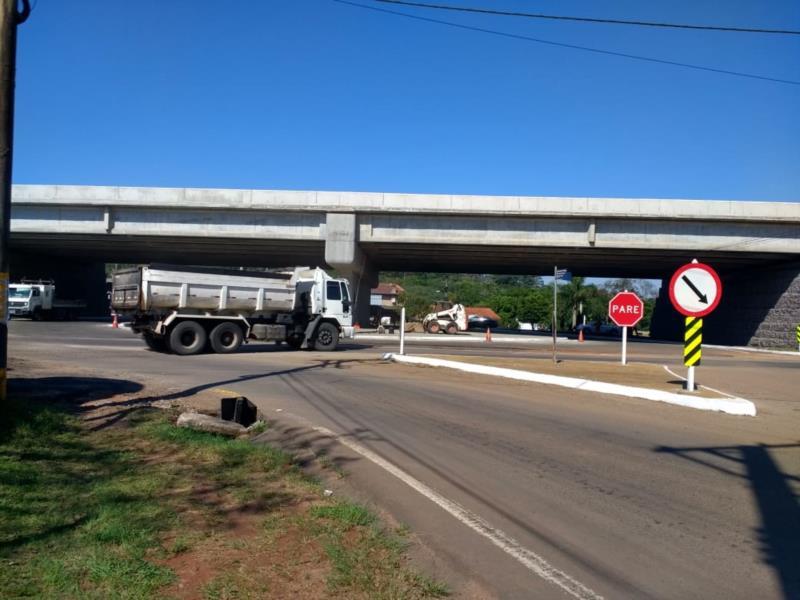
[310,329]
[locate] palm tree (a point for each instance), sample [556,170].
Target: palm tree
[575,294]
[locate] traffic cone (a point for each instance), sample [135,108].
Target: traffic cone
[115,321]
[488,336]
[580,335]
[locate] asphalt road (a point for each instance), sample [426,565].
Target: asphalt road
[519,490]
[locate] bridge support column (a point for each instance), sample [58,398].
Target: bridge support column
[758,308]
[343,254]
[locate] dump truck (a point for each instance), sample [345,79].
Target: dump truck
[37,299]
[189,310]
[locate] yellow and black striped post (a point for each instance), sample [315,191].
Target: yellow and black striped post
[692,348]
[798,338]
[693,341]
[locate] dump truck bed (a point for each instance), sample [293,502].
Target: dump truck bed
[168,288]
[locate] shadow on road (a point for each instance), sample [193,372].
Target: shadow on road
[70,390]
[123,407]
[777,503]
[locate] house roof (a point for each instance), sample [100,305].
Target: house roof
[481,311]
[388,289]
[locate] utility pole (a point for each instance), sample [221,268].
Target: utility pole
[10,17]
[555,311]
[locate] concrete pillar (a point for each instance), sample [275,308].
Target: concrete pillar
[667,322]
[343,254]
[758,308]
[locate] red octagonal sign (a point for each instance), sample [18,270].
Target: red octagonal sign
[626,309]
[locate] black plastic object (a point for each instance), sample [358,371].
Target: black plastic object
[240,410]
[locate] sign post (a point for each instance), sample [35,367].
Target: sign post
[695,291]
[402,331]
[692,348]
[626,309]
[557,274]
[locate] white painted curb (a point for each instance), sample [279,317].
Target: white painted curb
[733,406]
[457,339]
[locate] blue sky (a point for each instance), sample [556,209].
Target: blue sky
[313,94]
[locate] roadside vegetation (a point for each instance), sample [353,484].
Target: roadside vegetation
[519,298]
[141,509]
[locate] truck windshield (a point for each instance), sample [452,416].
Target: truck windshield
[19,292]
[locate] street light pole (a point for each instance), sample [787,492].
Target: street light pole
[10,17]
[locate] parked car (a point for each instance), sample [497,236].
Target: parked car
[607,329]
[482,323]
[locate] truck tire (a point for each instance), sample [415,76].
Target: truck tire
[226,338]
[451,329]
[327,337]
[433,327]
[295,341]
[187,337]
[155,343]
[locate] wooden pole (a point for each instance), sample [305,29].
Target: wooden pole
[10,17]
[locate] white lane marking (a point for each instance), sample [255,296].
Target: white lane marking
[507,544]
[748,349]
[81,339]
[705,387]
[92,347]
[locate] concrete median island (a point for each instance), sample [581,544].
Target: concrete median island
[644,381]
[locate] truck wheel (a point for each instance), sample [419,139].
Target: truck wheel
[226,338]
[37,315]
[327,337]
[158,344]
[451,329]
[187,337]
[433,327]
[295,341]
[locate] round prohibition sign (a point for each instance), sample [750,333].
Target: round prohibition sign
[695,290]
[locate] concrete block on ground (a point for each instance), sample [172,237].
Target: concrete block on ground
[210,424]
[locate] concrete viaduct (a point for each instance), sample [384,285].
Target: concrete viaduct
[754,245]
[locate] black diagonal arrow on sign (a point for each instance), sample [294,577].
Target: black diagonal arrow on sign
[702,297]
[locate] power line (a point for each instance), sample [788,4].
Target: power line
[571,46]
[488,11]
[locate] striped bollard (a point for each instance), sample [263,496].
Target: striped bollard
[692,348]
[798,338]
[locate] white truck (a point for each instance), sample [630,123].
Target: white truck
[36,298]
[187,310]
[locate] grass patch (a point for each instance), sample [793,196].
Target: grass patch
[367,558]
[115,513]
[79,517]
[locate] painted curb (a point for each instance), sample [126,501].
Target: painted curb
[732,406]
[456,339]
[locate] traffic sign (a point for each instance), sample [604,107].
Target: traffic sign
[626,309]
[695,290]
